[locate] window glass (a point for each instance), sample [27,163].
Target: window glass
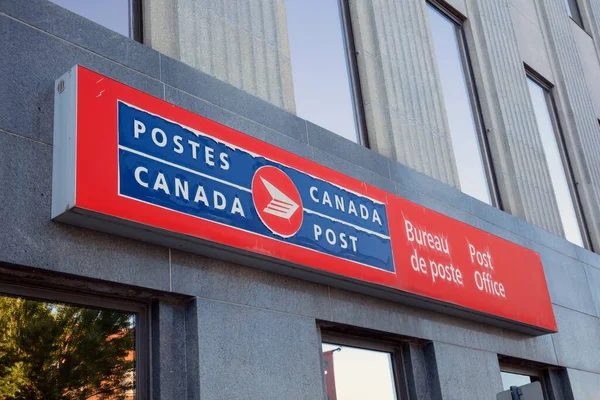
[555,164]
[112,14]
[58,351]
[510,379]
[573,10]
[320,74]
[463,128]
[358,374]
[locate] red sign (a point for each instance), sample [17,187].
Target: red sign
[132,158]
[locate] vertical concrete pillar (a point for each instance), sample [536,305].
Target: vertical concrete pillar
[475,376]
[238,352]
[403,100]
[243,42]
[591,9]
[421,372]
[517,153]
[580,124]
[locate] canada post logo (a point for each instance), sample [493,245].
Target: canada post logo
[280,212]
[181,169]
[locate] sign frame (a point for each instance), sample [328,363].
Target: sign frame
[67,208]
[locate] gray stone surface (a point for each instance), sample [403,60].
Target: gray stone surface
[248,353]
[421,372]
[567,282]
[434,204]
[192,347]
[497,216]
[220,280]
[169,351]
[577,342]
[516,148]
[532,49]
[242,124]
[519,345]
[506,234]
[547,239]
[414,180]
[593,277]
[31,60]
[579,121]
[78,30]
[585,385]
[467,374]
[231,98]
[351,169]
[32,239]
[364,311]
[347,150]
[588,257]
[593,12]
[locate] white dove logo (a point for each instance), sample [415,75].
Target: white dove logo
[277,201]
[280,204]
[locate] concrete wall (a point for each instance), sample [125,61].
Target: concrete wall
[243,333]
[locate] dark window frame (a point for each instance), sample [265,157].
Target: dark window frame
[353,74]
[548,87]
[394,348]
[136,20]
[536,373]
[94,301]
[484,147]
[134,10]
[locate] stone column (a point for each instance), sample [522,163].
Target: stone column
[591,10]
[576,108]
[403,100]
[517,153]
[242,42]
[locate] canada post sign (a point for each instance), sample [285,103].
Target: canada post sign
[188,171]
[134,165]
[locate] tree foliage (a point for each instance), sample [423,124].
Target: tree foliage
[63,352]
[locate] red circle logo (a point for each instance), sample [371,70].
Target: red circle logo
[277,201]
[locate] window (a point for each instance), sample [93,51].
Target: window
[556,160]
[52,347]
[122,16]
[512,379]
[325,79]
[519,373]
[573,10]
[466,128]
[353,373]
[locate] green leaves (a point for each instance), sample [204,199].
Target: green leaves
[56,351]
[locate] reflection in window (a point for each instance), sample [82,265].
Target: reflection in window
[558,175]
[510,379]
[357,374]
[320,74]
[112,14]
[55,351]
[573,10]
[459,106]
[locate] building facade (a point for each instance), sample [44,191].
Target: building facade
[484,111]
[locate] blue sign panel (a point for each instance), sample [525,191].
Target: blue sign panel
[172,166]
